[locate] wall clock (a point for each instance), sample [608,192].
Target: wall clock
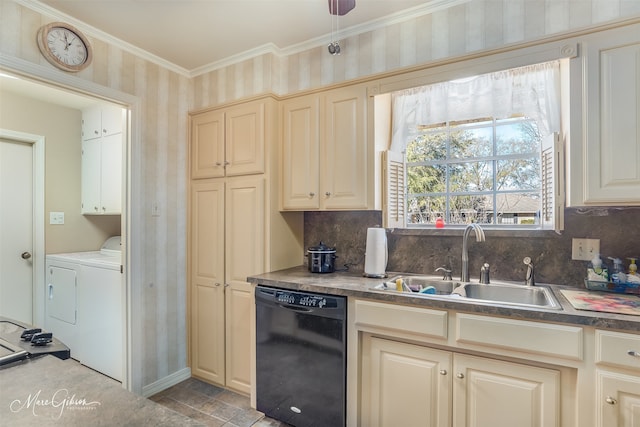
[64,46]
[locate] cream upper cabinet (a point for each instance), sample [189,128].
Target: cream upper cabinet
[228,142]
[325,151]
[101,167]
[610,169]
[301,153]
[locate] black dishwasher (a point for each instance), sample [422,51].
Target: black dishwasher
[301,357]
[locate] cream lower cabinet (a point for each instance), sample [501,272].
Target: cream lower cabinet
[412,385]
[617,379]
[325,152]
[227,243]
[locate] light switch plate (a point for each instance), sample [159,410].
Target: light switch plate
[584,249]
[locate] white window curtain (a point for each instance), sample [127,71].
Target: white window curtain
[532,90]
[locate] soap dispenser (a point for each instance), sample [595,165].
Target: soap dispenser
[633,268]
[596,272]
[617,266]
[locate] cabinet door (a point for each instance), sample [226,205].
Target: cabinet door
[91,123]
[618,400]
[206,280]
[300,153]
[245,229]
[112,120]
[612,118]
[495,393]
[207,145]
[343,165]
[404,384]
[111,174]
[239,312]
[245,139]
[91,176]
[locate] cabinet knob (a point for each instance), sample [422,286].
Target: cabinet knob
[328,193]
[218,164]
[96,132]
[311,194]
[443,372]
[633,353]
[217,284]
[460,375]
[25,255]
[610,400]
[226,163]
[104,131]
[95,208]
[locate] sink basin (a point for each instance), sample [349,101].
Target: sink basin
[533,296]
[504,293]
[417,283]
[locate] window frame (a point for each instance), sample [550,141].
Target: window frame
[467,66]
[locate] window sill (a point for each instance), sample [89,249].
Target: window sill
[489,232]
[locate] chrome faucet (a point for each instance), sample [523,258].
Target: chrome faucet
[464,275]
[529,278]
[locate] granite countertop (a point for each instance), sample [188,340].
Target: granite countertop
[352,284]
[47,391]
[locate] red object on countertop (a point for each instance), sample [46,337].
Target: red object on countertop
[439,222]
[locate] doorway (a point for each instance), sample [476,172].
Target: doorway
[95,94]
[21,226]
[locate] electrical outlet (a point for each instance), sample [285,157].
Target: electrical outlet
[155,209]
[584,249]
[56,218]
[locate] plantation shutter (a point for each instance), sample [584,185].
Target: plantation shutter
[553,198]
[394,201]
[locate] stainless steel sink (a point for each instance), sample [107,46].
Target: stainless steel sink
[502,293]
[532,296]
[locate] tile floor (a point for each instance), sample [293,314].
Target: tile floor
[212,406]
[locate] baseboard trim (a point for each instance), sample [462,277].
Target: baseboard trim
[166,382]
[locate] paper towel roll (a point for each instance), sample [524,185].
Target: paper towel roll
[375,258]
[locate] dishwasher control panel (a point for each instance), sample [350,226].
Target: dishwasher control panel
[305,300]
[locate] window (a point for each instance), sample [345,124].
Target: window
[482,149]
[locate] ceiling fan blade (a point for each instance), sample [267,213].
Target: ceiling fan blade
[341,7]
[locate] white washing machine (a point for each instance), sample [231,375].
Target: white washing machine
[84,305]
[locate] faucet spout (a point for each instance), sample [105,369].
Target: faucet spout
[464,275]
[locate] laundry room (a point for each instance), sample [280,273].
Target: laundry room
[71,251]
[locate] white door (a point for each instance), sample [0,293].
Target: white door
[16,230]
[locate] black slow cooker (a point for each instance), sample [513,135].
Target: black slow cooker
[321,258]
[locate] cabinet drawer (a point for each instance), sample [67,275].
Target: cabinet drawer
[521,335]
[618,349]
[412,320]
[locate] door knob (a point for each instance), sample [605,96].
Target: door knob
[25,255]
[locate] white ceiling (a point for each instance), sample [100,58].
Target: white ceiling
[194,34]
[197,35]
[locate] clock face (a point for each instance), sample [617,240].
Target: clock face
[64,46]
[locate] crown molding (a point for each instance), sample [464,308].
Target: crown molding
[93,32]
[427,8]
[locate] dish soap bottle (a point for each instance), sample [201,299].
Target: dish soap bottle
[633,277]
[596,272]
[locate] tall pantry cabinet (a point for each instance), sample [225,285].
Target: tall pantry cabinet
[235,231]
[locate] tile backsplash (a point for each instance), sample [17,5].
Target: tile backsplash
[418,251]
